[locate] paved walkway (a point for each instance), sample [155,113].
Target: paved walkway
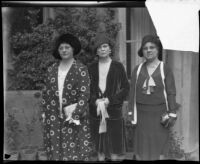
[128,156]
[193,157]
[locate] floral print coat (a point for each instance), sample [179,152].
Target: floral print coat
[64,141]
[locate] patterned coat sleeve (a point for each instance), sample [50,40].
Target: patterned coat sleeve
[46,89]
[44,94]
[84,90]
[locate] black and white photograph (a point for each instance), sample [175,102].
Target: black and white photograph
[107,81]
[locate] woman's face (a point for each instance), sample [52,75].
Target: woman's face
[66,51]
[150,51]
[103,50]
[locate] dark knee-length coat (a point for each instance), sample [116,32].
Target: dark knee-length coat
[64,141]
[117,88]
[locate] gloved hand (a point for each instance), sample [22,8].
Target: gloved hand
[129,120]
[43,117]
[97,101]
[106,102]
[171,121]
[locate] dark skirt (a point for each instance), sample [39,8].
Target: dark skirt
[150,137]
[111,142]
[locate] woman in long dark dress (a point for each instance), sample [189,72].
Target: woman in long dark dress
[109,88]
[67,89]
[150,137]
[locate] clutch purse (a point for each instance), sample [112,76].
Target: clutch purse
[164,119]
[69,110]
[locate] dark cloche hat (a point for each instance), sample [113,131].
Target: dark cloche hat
[100,39]
[69,39]
[153,39]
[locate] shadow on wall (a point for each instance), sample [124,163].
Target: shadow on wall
[22,123]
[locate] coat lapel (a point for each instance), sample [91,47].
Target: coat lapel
[55,75]
[108,79]
[70,72]
[53,87]
[109,76]
[66,81]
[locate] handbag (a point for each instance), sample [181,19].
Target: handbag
[167,121]
[68,113]
[164,119]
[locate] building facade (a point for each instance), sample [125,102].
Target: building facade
[135,23]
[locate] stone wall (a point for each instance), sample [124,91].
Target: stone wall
[22,126]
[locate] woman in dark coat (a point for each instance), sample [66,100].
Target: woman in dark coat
[109,88]
[66,135]
[150,137]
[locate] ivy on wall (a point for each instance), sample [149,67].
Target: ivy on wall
[33,48]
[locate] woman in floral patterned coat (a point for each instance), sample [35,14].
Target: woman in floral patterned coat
[66,137]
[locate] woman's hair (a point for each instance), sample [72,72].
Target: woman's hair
[69,39]
[153,39]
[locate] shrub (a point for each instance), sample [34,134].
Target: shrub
[32,50]
[12,131]
[175,144]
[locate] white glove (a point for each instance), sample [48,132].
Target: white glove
[97,101]
[106,102]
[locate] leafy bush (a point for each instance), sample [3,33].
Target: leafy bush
[175,150]
[33,49]
[12,131]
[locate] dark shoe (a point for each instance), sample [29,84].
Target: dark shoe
[107,159]
[134,157]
